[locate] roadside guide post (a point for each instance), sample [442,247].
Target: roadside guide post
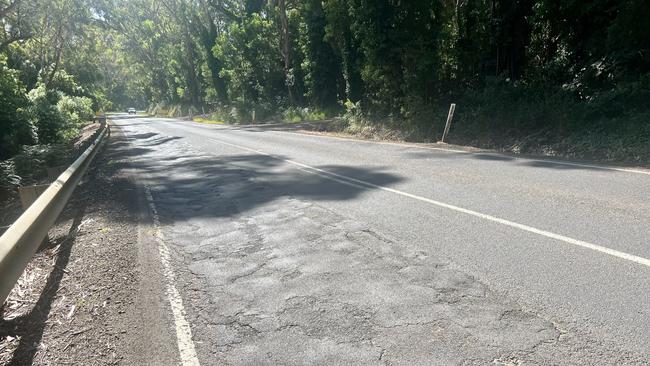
[450,116]
[100,117]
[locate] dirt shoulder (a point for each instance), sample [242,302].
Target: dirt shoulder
[91,293]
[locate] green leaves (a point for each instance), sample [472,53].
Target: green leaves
[397,60]
[16,126]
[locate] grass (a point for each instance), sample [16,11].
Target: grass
[297,115]
[208,121]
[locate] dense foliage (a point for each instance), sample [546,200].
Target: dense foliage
[16,127]
[556,70]
[49,81]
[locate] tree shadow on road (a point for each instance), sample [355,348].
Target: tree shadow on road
[223,186]
[189,184]
[518,161]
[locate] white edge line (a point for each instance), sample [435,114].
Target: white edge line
[357,182]
[407,145]
[186,347]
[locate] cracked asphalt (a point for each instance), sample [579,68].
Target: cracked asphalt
[277,265]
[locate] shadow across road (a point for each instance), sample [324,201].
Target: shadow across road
[233,184]
[519,161]
[187,183]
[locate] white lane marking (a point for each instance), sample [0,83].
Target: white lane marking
[186,348]
[357,182]
[444,149]
[183,330]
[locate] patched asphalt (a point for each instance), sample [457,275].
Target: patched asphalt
[277,265]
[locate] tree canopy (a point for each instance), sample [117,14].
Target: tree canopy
[392,59]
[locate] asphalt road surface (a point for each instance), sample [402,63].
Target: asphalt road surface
[286,248]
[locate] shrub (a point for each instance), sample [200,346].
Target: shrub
[76,111]
[16,127]
[59,117]
[296,114]
[9,180]
[50,122]
[31,162]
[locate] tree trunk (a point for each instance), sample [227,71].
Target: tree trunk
[208,35]
[286,49]
[57,57]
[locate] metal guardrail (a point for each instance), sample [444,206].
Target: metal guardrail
[19,243]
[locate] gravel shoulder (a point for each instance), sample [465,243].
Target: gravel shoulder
[91,295]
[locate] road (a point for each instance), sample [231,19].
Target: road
[289,248]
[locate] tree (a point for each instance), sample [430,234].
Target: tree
[16,127]
[321,62]
[339,34]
